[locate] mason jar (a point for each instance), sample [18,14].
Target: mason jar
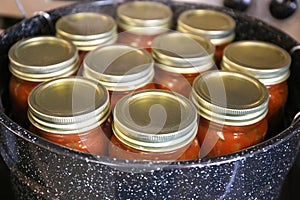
[121,68]
[73,112]
[35,60]
[87,30]
[268,63]
[140,22]
[154,125]
[219,27]
[179,59]
[232,109]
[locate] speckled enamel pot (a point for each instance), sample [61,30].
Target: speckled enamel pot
[42,170]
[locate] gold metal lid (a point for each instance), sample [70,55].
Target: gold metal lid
[41,58]
[215,25]
[144,17]
[155,120]
[265,61]
[119,67]
[68,105]
[87,30]
[230,98]
[183,53]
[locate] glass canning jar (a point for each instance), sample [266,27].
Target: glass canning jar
[219,27]
[232,109]
[140,22]
[179,59]
[35,60]
[154,125]
[87,30]
[73,112]
[121,68]
[268,63]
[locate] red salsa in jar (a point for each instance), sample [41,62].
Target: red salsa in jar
[121,68]
[73,112]
[232,109]
[154,125]
[214,25]
[268,63]
[140,22]
[179,59]
[87,30]
[33,61]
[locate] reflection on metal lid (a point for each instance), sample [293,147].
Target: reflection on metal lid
[194,54]
[139,16]
[87,30]
[70,104]
[119,67]
[41,58]
[155,120]
[230,98]
[215,25]
[265,61]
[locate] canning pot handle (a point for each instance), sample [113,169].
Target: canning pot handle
[47,17]
[294,49]
[41,13]
[296,119]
